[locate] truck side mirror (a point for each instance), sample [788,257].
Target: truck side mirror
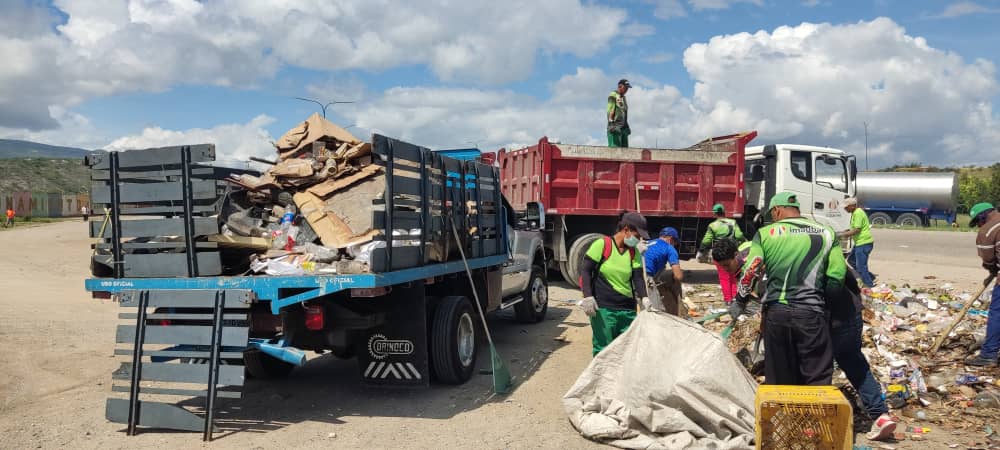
[756,174]
[535,215]
[854,168]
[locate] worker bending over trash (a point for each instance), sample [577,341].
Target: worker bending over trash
[612,280]
[722,228]
[987,218]
[804,266]
[663,270]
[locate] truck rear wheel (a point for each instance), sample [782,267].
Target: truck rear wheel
[261,365]
[880,218]
[909,220]
[453,341]
[577,252]
[535,298]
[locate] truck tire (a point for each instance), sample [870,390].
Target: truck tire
[880,218]
[453,341]
[909,220]
[535,298]
[577,252]
[564,271]
[262,366]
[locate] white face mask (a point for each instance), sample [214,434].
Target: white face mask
[631,241]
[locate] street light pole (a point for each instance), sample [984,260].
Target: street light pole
[866,146]
[322,106]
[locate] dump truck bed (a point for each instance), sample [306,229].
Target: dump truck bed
[596,180]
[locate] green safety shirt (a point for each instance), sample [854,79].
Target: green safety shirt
[617,112]
[859,221]
[722,228]
[616,270]
[802,260]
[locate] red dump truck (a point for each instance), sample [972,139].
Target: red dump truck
[584,189]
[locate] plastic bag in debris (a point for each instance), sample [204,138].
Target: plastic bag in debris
[363,252]
[276,267]
[632,396]
[319,253]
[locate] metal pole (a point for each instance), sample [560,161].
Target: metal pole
[321,105]
[866,146]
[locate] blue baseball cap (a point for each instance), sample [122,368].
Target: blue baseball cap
[670,232]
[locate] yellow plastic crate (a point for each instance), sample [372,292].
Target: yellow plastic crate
[803,418]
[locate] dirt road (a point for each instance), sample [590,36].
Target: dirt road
[55,373]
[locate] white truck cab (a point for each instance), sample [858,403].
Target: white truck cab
[821,176]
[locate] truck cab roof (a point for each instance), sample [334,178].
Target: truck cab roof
[758,150]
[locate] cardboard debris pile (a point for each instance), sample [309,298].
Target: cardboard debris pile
[310,212]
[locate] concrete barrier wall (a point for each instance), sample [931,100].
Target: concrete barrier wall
[43,204]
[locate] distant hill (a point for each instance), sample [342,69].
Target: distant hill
[68,176]
[13,148]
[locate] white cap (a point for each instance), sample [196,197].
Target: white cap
[850,201]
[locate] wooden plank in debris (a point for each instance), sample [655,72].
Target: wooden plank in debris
[294,168]
[328,187]
[257,243]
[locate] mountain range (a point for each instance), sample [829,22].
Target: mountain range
[13,148]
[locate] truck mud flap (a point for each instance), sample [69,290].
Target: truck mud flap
[395,353]
[179,343]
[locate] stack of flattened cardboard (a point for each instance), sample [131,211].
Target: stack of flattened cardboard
[324,175]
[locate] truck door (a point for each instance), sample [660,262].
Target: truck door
[798,177]
[829,191]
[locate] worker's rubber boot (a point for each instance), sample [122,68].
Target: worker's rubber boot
[980,361]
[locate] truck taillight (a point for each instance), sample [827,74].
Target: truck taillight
[314,318]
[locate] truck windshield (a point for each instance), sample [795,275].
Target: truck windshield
[831,173]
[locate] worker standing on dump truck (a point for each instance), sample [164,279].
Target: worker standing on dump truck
[804,267]
[987,218]
[618,130]
[722,228]
[864,243]
[612,281]
[663,268]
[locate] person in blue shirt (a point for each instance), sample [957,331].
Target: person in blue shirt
[664,272]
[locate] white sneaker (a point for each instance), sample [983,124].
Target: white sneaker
[883,428]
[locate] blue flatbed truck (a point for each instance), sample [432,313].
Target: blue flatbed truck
[409,320]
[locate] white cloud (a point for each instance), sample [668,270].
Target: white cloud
[812,84]
[667,9]
[110,47]
[234,141]
[810,3]
[659,58]
[965,8]
[699,5]
[818,83]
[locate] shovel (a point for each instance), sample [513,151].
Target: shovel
[961,315]
[502,382]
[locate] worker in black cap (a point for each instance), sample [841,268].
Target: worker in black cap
[612,280]
[618,129]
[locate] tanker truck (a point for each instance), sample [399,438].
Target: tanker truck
[908,198]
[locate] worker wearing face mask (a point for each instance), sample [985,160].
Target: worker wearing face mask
[612,280]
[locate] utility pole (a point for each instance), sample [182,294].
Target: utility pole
[866,146]
[322,106]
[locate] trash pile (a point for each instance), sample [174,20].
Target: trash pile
[931,387]
[311,210]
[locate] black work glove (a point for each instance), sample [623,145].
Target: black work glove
[738,307]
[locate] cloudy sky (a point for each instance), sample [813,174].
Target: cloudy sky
[449,73]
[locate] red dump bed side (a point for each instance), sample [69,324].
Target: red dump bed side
[593,180]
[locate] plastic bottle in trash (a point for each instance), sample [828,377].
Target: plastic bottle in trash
[987,399]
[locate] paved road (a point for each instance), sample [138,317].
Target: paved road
[909,255]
